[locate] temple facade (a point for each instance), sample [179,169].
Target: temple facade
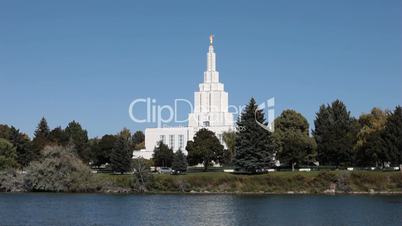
[210,111]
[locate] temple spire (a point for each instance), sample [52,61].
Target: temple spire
[211,61]
[211,39]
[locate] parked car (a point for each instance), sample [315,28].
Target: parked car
[165,170]
[177,172]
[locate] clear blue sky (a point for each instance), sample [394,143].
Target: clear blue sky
[87,60]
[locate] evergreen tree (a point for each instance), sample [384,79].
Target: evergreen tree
[102,149]
[94,150]
[254,144]
[58,136]
[163,155]
[79,138]
[138,140]
[205,149]
[41,138]
[122,153]
[335,134]
[179,162]
[392,137]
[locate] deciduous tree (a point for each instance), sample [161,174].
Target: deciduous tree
[138,140]
[205,148]
[8,155]
[369,144]
[142,174]
[21,142]
[297,148]
[60,170]
[230,140]
[293,143]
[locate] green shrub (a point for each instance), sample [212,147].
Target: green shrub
[396,180]
[60,170]
[322,181]
[11,181]
[343,182]
[365,181]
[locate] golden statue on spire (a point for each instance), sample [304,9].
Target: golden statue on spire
[211,39]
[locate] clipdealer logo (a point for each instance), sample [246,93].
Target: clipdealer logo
[162,115]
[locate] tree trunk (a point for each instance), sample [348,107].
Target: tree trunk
[293,166]
[205,167]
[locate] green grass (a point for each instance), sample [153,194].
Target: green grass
[124,181]
[275,182]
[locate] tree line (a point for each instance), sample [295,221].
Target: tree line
[338,139]
[17,150]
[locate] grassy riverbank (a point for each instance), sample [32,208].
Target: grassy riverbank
[277,182]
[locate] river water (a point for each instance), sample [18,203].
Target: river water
[101,209]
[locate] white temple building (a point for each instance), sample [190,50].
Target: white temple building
[210,111]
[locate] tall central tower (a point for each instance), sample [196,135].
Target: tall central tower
[211,101]
[210,111]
